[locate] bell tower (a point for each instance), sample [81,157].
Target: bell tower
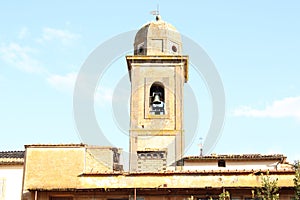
[157,72]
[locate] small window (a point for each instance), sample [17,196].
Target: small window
[61,198]
[137,198]
[209,198]
[119,199]
[221,163]
[250,198]
[141,156]
[174,48]
[140,48]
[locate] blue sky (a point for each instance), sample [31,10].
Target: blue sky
[254,45]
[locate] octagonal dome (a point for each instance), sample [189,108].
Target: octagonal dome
[157,38]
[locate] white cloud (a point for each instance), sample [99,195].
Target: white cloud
[24,32]
[20,57]
[103,96]
[64,36]
[63,82]
[66,83]
[287,107]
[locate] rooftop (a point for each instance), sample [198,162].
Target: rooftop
[194,172]
[54,145]
[11,157]
[237,157]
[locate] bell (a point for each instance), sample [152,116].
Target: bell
[156,99]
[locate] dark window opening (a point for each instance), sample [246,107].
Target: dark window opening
[157,99]
[174,48]
[156,155]
[119,199]
[141,49]
[61,198]
[221,163]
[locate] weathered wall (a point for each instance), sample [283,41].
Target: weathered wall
[157,132]
[231,165]
[152,195]
[54,167]
[182,181]
[11,181]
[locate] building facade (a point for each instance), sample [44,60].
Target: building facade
[11,174]
[157,168]
[67,172]
[72,172]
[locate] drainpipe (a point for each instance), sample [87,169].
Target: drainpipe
[134,193]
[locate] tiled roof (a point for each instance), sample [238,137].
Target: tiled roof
[12,154]
[54,145]
[11,157]
[237,157]
[195,172]
[71,146]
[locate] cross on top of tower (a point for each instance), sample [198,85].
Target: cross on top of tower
[156,13]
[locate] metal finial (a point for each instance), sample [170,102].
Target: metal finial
[201,146]
[156,13]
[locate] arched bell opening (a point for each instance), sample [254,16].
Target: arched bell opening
[157,99]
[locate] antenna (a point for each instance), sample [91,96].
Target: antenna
[156,13]
[201,146]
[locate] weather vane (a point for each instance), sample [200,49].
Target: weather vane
[156,12]
[201,146]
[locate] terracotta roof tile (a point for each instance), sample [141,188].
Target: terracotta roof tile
[11,157]
[54,145]
[237,157]
[12,154]
[194,172]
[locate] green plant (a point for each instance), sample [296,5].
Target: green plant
[297,180]
[269,189]
[225,195]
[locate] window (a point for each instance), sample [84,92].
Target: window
[157,99]
[61,198]
[137,198]
[142,155]
[140,49]
[221,163]
[119,199]
[151,161]
[173,47]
